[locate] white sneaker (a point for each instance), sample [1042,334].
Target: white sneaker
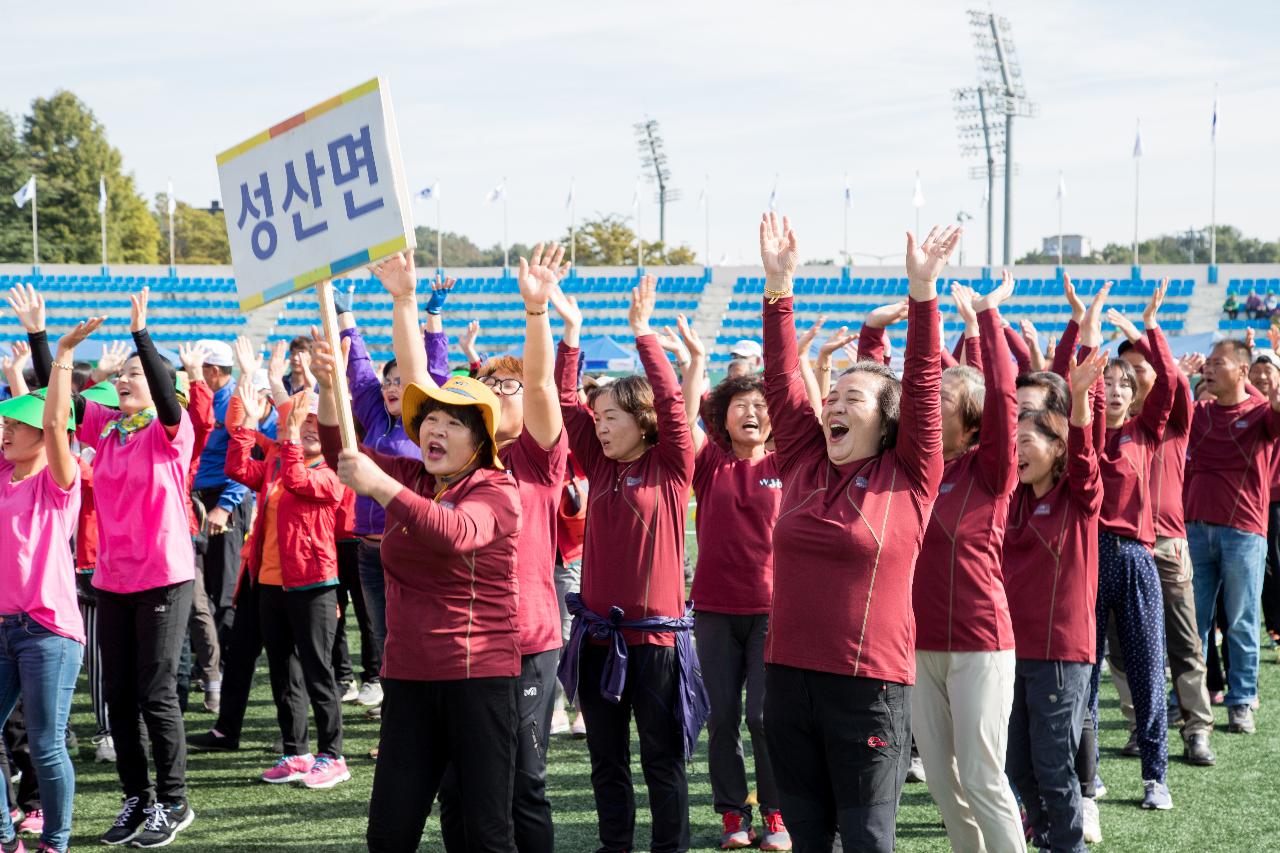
[579,728]
[349,691]
[1092,823]
[559,722]
[106,751]
[370,695]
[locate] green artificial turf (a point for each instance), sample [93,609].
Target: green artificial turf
[1229,807]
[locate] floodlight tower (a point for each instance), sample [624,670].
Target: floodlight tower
[1000,92]
[653,160]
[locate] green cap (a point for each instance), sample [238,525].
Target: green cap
[103,393]
[29,409]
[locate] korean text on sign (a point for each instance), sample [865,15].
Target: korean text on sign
[316,195]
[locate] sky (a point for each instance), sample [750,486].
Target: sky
[747,93]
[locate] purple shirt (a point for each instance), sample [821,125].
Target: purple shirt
[382,432]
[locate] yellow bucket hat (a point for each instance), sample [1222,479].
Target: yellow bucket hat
[458,391]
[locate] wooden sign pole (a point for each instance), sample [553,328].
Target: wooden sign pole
[341,394]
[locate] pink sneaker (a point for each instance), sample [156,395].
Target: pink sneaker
[289,768]
[33,823]
[327,772]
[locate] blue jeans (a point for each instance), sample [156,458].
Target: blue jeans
[1233,562]
[374,587]
[40,667]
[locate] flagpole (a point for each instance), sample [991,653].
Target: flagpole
[1060,194]
[639,231]
[35,231]
[1213,195]
[706,213]
[573,225]
[506,257]
[102,216]
[439,233]
[846,218]
[169,205]
[1137,184]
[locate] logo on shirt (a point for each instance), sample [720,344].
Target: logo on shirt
[1125,438]
[1043,509]
[1242,424]
[771,482]
[447,504]
[634,481]
[531,691]
[860,482]
[876,743]
[945,488]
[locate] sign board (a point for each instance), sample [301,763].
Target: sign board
[316,195]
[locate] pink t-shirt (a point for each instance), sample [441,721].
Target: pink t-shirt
[140,491]
[37,571]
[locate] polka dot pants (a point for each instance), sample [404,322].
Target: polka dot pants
[1129,589]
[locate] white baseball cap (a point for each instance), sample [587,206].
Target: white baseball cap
[746,349]
[220,354]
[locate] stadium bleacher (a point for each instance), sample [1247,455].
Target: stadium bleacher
[205,306]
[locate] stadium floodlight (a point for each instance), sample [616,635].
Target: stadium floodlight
[653,160]
[999,92]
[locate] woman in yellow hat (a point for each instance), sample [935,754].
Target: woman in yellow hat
[451,663]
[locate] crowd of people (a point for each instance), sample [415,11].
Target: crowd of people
[916,574]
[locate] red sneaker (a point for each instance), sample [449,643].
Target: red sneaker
[775,835]
[289,769]
[737,831]
[33,823]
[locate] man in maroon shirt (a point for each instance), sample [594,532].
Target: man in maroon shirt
[1173,561]
[1227,493]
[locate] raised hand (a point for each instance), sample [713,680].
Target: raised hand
[138,310]
[1122,323]
[692,340]
[28,304]
[1069,291]
[112,360]
[964,298]
[540,275]
[439,293]
[1249,337]
[249,399]
[248,356]
[926,260]
[1091,326]
[566,306]
[323,363]
[277,365]
[1190,364]
[1149,315]
[300,407]
[778,251]
[1085,373]
[838,341]
[643,298]
[467,340]
[397,274]
[672,343]
[1273,334]
[67,343]
[192,357]
[886,315]
[997,296]
[16,362]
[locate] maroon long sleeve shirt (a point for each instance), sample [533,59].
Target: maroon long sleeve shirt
[847,537]
[958,594]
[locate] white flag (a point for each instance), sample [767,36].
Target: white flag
[498,193]
[702,196]
[430,193]
[773,195]
[26,192]
[1213,133]
[172,202]
[568,202]
[1062,187]
[102,196]
[1137,143]
[918,198]
[848,194]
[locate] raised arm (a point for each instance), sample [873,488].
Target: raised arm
[1082,459]
[14,365]
[997,441]
[28,305]
[318,485]
[919,445]
[364,383]
[163,394]
[839,340]
[966,299]
[63,465]
[1020,343]
[242,417]
[433,336]
[537,279]
[675,446]
[578,422]
[796,429]
[694,385]
[871,345]
[400,279]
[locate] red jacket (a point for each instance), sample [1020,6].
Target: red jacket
[200,410]
[306,518]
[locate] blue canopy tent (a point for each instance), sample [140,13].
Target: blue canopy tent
[606,354]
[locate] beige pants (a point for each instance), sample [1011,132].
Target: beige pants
[960,719]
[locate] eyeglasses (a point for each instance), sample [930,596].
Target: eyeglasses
[503,387]
[391,383]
